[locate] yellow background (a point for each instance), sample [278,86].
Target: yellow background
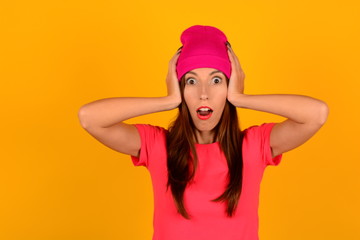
[57,182]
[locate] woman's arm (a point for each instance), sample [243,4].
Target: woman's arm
[103,118]
[305,115]
[109,111]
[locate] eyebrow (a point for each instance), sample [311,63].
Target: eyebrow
[216,71]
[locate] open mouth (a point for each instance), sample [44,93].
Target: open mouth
[204,112]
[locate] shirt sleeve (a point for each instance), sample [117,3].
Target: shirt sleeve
[258,144]
[149,135]
[265,130]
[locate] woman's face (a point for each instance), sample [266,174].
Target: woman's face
[205,95]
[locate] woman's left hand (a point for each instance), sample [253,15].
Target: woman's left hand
[236,81]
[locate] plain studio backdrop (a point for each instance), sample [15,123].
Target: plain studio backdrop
[57,182]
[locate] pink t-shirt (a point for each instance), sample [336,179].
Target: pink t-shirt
[209,220]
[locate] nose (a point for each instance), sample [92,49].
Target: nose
[203,97]
[204,93]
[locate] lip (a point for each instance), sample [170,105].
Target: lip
[204,117]
[204,107]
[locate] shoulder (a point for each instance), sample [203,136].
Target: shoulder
[153,143]
[150,133]
[257,142]
[258,130]
[148,128]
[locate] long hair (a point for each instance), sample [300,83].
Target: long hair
[182,158]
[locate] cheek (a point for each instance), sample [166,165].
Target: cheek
[221,96]
[189,97]
[223,92]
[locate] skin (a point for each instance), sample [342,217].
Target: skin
[204,88]
[304,115]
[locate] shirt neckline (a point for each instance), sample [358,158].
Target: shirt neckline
[206,144]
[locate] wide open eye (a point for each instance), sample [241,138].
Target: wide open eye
[216,80]
[190,81]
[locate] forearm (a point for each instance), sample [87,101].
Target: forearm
[109,111]
[299,108]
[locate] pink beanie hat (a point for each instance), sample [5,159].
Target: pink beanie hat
[203,47]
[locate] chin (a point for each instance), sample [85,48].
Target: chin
[205,126]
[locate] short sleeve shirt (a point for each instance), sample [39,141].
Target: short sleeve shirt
[208,219]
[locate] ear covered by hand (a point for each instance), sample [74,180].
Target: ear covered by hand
[172,82]
[236,81]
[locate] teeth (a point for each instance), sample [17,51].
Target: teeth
[204,109]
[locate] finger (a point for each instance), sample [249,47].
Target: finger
[236,59]
[178,51]
[174,59]
[231,57]
[235,64]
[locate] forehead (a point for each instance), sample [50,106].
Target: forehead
[203,71]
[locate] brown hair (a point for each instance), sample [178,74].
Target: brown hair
[182,166]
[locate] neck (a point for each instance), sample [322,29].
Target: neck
[204,137]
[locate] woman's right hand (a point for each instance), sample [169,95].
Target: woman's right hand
[172,82]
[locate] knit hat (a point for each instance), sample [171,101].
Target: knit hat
[203,46]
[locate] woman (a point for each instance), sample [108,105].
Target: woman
[206,172]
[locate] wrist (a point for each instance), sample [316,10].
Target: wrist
[236,99]
[172,101]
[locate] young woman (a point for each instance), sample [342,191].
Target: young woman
[205,171]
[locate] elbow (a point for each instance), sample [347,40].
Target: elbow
[82,117]
[323,113]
